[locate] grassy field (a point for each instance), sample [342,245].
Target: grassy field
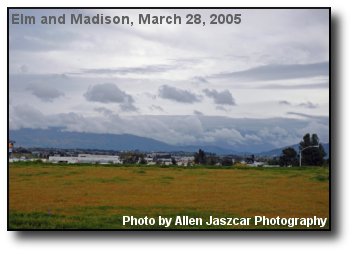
[49,196]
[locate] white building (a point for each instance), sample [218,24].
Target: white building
[87,158]
[62,159]
[150,161]
[184,160]
[165,161]
[101,159]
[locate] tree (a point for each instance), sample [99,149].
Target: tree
[273,161]
[250,160]
[312,156]
[142,160]
[226,161]
[173,160]
[288,157]
[133,158]
[211,160]
[199,157]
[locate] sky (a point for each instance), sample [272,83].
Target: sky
[260,84]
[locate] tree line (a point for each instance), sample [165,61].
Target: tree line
[311,153]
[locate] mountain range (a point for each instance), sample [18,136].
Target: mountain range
[56,138]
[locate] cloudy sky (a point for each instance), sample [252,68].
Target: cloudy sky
[262,83]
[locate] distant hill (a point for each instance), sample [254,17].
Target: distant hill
[55,138]
[278,151]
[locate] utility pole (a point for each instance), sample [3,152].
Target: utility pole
[305,149]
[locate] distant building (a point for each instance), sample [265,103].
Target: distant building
[101,159]
[164,161]
[149,160]
[62,159]
[184,160]
[86,158]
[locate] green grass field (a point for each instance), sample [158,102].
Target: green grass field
[50,196]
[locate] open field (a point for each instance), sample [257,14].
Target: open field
[50,196]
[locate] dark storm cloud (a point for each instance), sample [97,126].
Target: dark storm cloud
[179,95]
[222,98]
[44,92]
[278,72]
[110,93]
[106,93]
